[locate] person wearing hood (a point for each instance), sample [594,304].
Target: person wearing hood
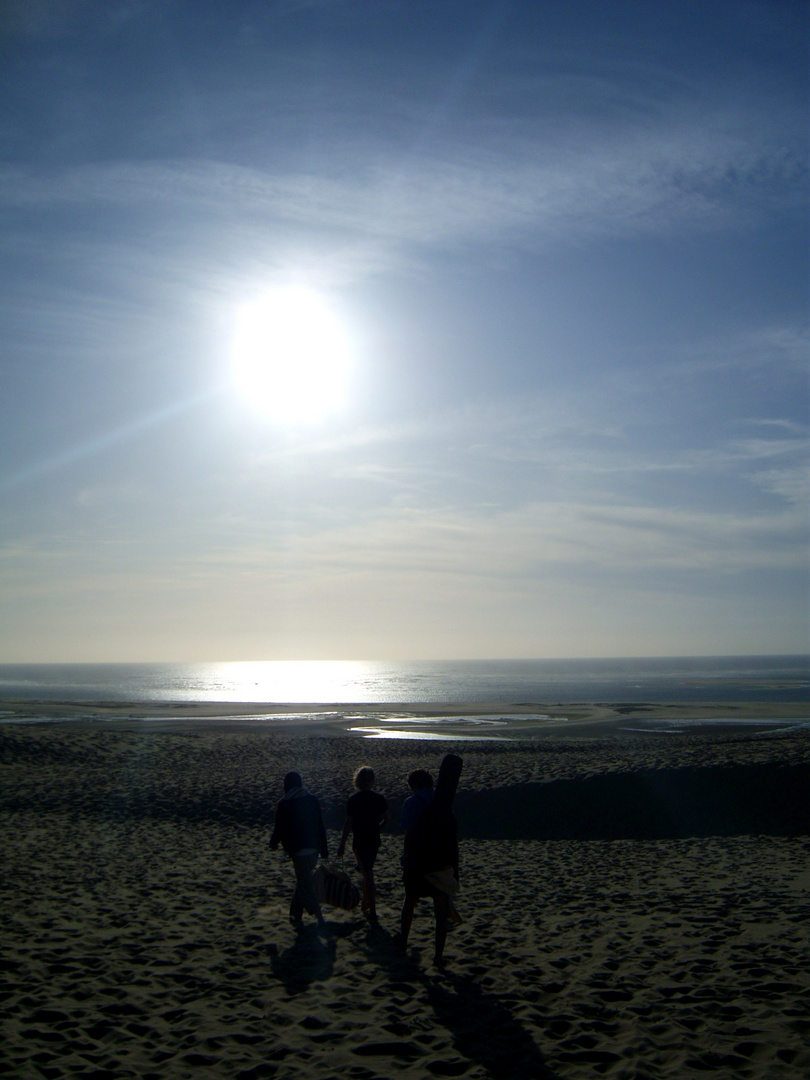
[299,829]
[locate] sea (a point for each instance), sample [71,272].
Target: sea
[715,679]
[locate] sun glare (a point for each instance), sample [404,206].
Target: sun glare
[291,355]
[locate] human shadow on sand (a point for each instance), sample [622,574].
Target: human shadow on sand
[484,1030]
[482,1027]
[311,957]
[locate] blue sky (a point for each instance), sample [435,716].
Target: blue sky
[567,246]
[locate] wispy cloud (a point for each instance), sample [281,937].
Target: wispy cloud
[587,435]
[538,540]
[781,347]
[791,484]
[708,176]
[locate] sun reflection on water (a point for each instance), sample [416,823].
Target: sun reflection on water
[299,681]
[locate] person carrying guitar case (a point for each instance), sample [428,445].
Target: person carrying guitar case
[430,851]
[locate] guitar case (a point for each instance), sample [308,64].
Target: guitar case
[436,832]
[447,782]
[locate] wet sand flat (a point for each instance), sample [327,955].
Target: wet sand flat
[507,719]
[144,920]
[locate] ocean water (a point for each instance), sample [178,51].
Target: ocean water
[767,679]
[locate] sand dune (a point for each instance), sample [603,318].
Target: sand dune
[144,928]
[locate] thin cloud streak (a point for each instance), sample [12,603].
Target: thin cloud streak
[573,438]
[540,539]
[536,540]
[635,185]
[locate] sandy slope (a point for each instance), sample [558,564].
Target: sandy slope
[144,927]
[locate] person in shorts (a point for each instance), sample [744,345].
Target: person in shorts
[418,858]
[366,811]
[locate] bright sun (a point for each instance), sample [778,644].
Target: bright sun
[291,355]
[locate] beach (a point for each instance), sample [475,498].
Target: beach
[635,903]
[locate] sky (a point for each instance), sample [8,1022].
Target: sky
[395,329]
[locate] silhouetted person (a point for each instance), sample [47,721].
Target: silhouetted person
[430,853]
[299,829]
[366,811]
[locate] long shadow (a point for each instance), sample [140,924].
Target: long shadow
[483,1028]
[311,957]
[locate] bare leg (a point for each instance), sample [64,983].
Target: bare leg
[406,919]
[369,895]
[441,910]
[367,877]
